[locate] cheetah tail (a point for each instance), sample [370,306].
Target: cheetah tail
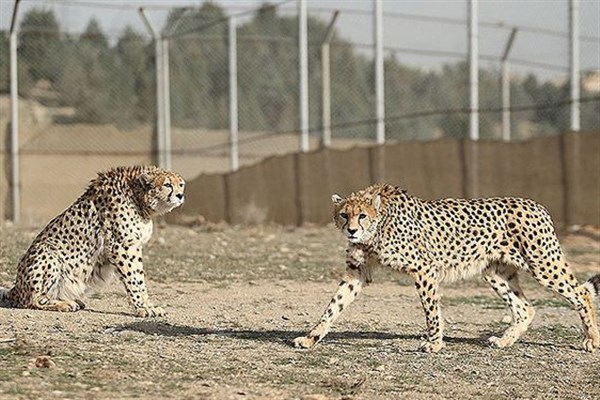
[593,285]
[4,294]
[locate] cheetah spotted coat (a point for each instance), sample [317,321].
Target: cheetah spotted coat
[101,233]
[453,239]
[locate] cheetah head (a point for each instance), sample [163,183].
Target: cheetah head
[162,191]
[356,216]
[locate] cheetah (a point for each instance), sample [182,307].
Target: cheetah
[453,239]
[100,234]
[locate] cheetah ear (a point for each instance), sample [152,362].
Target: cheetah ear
[336,198]
[377,202]
[145,181]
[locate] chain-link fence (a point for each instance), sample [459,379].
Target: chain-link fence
[87,81]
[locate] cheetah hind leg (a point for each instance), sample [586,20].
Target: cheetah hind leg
[581,296]
[504,279]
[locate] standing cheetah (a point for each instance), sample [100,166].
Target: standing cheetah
[103,231]
[453,239]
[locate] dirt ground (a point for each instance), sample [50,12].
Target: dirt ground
[237,297]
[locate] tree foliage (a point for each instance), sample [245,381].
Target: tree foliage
[114,81]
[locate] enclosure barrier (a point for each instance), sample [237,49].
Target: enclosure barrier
[560,172]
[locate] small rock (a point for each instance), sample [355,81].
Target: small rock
[380,368]
[506,319]
[44,362]
[285,317]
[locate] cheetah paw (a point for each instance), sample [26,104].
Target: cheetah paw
[589,345]
[150,311]
[502,342]
[67,306]
[431,347]
[304,342]
[495,341]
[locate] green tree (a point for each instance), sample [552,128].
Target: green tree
[40,45]
[94,36]
[198,56]
[90,82]
[134,55]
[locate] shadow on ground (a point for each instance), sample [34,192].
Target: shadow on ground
[274,335]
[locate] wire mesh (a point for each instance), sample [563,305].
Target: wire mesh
[87,78]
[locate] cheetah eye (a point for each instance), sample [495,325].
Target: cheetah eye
[344,215]
[168,184]
[362,216]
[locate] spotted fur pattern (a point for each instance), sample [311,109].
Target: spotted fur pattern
[452,239]
[101,233]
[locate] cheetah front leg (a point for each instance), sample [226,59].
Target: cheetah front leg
[348,289]
[428,288]
[128,262]
[358,272]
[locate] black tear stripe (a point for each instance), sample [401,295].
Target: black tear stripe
[360,224]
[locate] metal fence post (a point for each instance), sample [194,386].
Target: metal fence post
[160,118]
[166,102]
[15,177]
[574,64]
[379,71]
[303,56]
[473,70]
[473,97]
[506,128]
[233,95]
[326,83]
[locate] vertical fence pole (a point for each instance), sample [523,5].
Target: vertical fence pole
[233,95]
[473,70]
[326,83]
[15,178]
[160,122]
[574,64]
[325,95]
[506,128]
[473,97]
[505,83]
[166,103]
[303,55]
[379,71]
[160,117]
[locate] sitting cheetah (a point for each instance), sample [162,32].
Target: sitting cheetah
[449,240]
[103,231]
